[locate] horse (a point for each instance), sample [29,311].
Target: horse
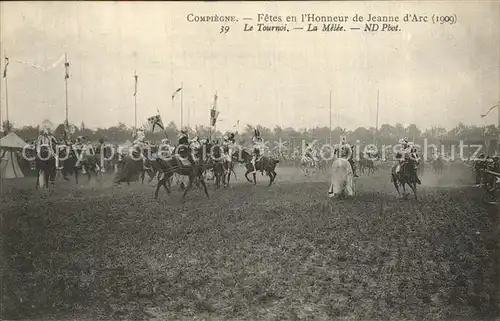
[437,165]
[178,164]
[342,179]
[130,168]
[366,163]
[91,165]
[307,165]
[218,165]
[46,165]
[406,175]
[265,163]
[68,158]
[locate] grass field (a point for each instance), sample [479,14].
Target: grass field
[250,252]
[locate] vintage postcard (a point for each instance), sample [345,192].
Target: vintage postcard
[241,160]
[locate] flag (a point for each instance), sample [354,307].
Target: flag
[213,116]
[66,66]
[215,101]
[135,89]
[175,92]
[5,67]
[484,115]
[156,122]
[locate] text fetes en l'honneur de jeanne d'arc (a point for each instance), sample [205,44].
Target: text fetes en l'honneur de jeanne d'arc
[311,17]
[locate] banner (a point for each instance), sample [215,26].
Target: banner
[155,122]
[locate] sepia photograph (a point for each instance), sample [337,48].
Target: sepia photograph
[249,160]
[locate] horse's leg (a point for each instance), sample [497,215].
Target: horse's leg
[229,175]
[151,176]
[413,186]
[403,184]
[76,175]
[37,178]
[52,178]
[46,177]
[246,175]
[396,184]
[161,182]
[234,173]
[190,184]
[166,183]
[202,181]
[254,179]
[88,170]
[217,180]
[271,177]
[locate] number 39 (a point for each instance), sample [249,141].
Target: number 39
[224,29]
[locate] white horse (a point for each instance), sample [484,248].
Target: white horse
[342,179]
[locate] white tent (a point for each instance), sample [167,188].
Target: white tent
[9,167]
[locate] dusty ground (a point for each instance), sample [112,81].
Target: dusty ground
[250,252]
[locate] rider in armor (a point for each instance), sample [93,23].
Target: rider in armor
[78,149]
[139,146]
[46,142]
[227,144]
[165,149]
[257,145]
[185,143]
[46,139]
[406,152]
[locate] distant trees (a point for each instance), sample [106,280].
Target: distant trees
[386,134]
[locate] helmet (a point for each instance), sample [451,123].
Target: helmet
[46,127]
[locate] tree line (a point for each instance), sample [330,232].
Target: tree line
[386,134]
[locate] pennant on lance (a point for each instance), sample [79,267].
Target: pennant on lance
[175,92]
[484,115]
[5,67]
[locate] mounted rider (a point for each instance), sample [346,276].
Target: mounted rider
[256,149]
[345,150]
[227,144]
[139,145]
[406,152]
[165,149]
[46,148]
[185,146]
[46,141]
[308,154]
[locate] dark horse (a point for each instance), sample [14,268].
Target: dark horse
[46,164]
[438,164]
[265,163]
[406,175]
[221,166]
[179,164]
[68,157]
[366,164]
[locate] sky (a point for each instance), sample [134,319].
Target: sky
[427,74]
